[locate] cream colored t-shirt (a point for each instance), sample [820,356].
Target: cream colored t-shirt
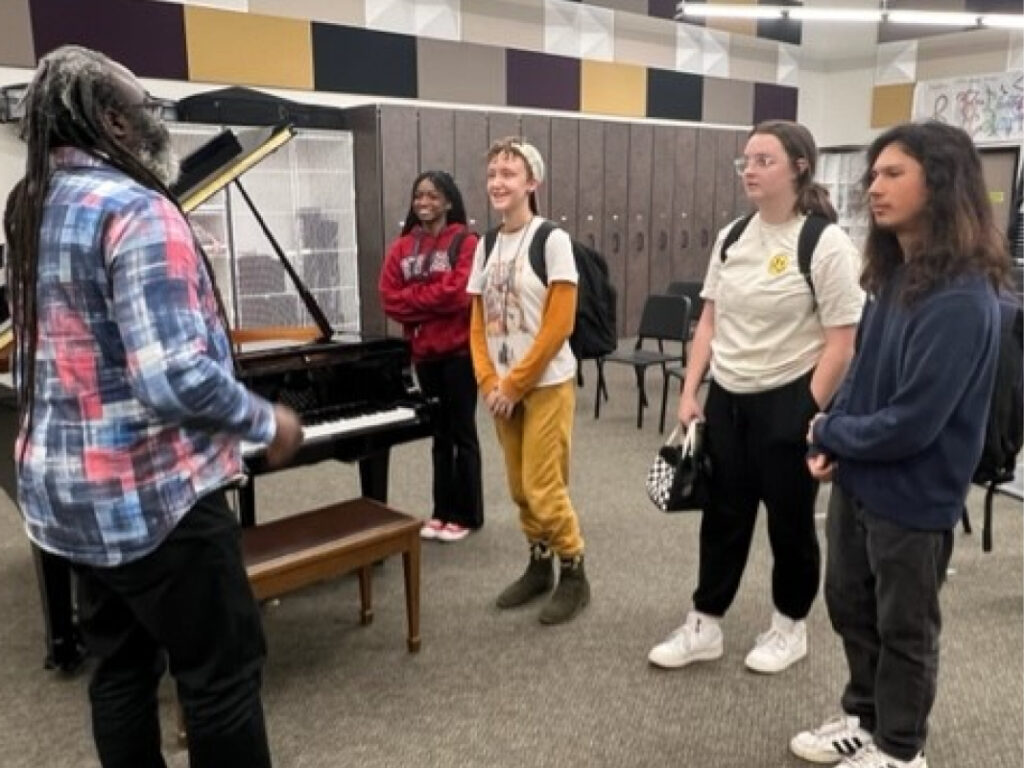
[513,297]
[767,333]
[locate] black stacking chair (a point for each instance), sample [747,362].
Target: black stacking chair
[664,319]
[690,290]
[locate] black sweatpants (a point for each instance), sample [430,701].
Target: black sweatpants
[758,445]
[882,590]
[187,602]
[457,483]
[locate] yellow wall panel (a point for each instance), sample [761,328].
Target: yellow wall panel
[613,89]
[248,49]
[891,104]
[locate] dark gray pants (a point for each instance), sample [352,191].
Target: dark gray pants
[882,590]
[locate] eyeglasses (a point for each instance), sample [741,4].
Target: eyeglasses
[759,161]
[153,106]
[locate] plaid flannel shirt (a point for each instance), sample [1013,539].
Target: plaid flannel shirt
[137,413]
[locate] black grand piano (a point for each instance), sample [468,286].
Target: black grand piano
[356,397]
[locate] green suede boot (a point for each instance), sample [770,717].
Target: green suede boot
[538,578]
[572,594]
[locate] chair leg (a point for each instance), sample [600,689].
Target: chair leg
[641,396]
[986,531]
[599,388]
[664,402]
[965,518]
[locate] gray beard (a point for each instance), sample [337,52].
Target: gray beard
[163,163]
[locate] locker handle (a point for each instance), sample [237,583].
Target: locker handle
[592,241]
[685,239]
[615,242]
[639,241]
[663,240]
[703,237]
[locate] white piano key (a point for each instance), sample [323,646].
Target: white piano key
[338,427]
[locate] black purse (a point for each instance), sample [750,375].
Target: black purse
[679,480]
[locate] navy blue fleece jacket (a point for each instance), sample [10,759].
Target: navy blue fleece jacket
[908,422]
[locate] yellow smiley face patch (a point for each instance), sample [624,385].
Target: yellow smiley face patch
[777,264]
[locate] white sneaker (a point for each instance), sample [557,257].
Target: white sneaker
[872,757]
[780,647]
[452,532]
[838,737]
[699,639]
[431,528]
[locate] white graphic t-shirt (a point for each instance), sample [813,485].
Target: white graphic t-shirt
[513,297]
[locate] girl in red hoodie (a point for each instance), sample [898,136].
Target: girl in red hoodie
[423,287]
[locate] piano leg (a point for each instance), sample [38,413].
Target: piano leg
[373,476]
[63,647]
[247,502]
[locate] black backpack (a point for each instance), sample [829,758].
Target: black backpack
[810,234]
[594,333]
[1004,430]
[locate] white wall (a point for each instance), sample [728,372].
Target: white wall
[835,103]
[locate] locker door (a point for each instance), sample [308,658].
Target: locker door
[437,140]
[399,152]
[638,223]
[688,261]
[725,179]
[590,192]
[742,206]
[364,122]
[499,125]
[704,195]
[537,130]
[662,182]
[563,172]
[471,165]
[616,153]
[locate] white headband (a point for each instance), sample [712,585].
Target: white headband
[533,158]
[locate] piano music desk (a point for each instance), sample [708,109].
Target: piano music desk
[287,554]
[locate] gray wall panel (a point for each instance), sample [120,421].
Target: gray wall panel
[437,140]
[471,165]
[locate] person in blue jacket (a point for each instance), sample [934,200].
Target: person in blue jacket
[903,436]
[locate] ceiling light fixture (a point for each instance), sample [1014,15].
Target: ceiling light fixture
[799,13]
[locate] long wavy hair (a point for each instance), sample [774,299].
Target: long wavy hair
[959,234]
[445,184]
[64,106]
[811,197]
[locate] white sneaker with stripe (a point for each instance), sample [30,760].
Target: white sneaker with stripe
[837,738]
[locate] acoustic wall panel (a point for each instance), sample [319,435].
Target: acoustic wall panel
[735,26]
[498,22]
[978,53]
[460,72]
[727,101]
[16,34]
[662,9]
[891,104]
[613,89]
[674,95]
[348,12]
[645,41]
[363,61]
[753,60]
[236,48]
[542,81]
[148,38]
[774,102]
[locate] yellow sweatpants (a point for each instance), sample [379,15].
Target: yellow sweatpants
[536,442]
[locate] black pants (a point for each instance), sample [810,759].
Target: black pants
[757,444]
[188,602]
[458,487]
[882,590]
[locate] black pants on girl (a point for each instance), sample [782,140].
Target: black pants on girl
[757,444]
[458,487]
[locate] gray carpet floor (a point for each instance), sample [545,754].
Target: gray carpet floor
[497,689]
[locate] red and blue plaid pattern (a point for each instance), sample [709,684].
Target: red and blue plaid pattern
[137,413]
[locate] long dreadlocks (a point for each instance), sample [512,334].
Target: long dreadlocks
[64,106]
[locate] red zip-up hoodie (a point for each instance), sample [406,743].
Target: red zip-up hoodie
[420,289]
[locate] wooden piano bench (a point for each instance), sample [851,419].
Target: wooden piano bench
[287,554]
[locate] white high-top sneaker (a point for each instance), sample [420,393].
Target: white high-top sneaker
[698,639]
[784,644]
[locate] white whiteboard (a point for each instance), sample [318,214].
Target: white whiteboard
[989,107]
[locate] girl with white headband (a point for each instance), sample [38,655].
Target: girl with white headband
[519,338]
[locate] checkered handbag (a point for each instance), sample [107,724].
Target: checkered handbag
[679,478]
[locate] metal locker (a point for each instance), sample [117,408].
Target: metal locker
[536,129]
[742,206]
[499,126]
[590,190]
[563,172]
[689,262]
[638,223]
[399,154]
[364,122]
[704,195]
[662,206]
[616,160]
[725,180]
[437,140]
[470,168]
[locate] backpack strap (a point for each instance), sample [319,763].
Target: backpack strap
[454,246]
[490,238]
[810,234]
[734,234]
[537,245]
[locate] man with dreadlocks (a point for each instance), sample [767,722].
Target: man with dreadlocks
[130,417]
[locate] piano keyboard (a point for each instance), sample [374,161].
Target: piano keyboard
[334,428]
